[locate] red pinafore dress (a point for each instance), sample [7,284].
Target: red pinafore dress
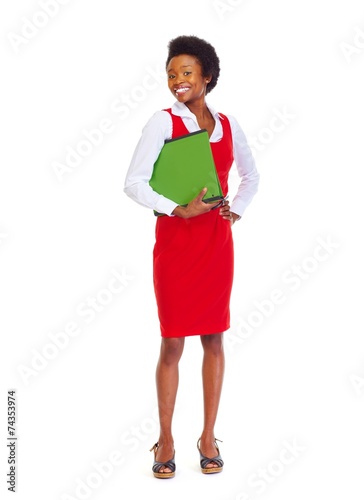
[193,259]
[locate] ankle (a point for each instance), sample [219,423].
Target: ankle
[207,436]
[166,441]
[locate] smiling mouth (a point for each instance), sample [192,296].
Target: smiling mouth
[181,90]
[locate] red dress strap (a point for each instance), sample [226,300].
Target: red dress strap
[178,127]
[221,150]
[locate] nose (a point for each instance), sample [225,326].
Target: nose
[180,78]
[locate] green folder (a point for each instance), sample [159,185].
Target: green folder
[184,167]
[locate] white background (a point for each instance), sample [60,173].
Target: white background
[298,376]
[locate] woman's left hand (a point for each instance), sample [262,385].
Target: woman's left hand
[226,214]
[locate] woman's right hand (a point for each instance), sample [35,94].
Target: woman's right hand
[195,207]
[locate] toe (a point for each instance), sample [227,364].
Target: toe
[211,465]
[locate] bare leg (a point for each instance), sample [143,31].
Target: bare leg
[212,377]
[167,384]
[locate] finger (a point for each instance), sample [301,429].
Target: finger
[201,194]
[226,216]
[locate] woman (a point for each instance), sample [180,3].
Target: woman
[193,253]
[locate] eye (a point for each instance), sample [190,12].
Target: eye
[186,73]
[170,77]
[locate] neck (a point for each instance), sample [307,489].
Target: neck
[199,109]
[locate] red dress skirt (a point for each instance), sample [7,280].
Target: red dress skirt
[193,259]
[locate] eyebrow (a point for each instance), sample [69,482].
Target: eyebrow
[185,66]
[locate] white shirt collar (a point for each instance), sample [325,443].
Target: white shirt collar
[181,109]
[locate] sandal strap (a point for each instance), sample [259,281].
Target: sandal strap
[217,460]
[171,464]
[155,447]
[198,444]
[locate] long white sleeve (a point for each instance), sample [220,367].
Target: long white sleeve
[136,186]
[246,167]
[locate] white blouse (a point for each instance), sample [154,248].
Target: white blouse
[156,131]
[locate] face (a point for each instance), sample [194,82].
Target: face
[185,79]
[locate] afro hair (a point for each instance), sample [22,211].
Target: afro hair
[202,50]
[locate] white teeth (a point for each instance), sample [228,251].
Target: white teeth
[182,90]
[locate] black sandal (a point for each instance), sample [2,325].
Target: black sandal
[204,461]
[158,465]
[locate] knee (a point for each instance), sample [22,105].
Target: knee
[213,344]
[171,350]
